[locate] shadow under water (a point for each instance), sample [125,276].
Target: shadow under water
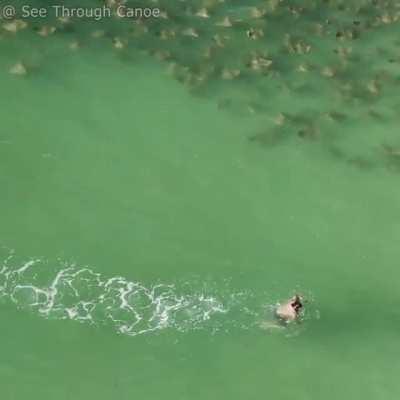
[335,58]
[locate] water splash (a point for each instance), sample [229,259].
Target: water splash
[129,307]
[63,290]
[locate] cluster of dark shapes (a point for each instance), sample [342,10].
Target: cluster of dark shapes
[284,50]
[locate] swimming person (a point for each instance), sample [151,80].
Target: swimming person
[283,314]
[290,310]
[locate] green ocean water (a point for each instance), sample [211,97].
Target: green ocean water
[144,237]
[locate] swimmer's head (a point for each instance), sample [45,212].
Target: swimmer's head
[297,303]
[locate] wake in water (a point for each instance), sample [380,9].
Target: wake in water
[66,291]
[129,307]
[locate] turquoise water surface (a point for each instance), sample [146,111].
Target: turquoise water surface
[154,207]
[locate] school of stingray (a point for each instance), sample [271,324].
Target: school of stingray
[321,72]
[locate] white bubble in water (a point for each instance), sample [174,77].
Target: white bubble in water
[83,295]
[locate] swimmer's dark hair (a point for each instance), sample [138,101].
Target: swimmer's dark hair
[297,303]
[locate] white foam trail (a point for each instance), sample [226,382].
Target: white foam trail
[129,307]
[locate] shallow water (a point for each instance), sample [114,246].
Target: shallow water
[145,235]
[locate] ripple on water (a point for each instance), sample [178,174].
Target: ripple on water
[131,308]
[67,291]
